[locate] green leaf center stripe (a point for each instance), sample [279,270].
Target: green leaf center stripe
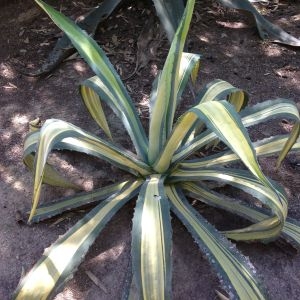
[234,268]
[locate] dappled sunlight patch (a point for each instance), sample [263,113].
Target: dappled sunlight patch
[111,254]
[88,184]
[5,135]
[19,186]
[79,175]
[80,67]
[20,122]
[273,51]
[7,71]
[8,176]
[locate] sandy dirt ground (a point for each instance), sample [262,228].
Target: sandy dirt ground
[231,50]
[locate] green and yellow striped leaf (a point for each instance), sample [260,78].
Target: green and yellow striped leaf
[290,230]
[51,176]
[91,145]
[151,241]
[276,201]
[92,102]
[55,131]
[234,268]
[223,90]
[102,67]
[64,256]
[188,69]
[52,209]
[267,110]
[290,144]
[161,121]
[250,116]
[221,118]
[265,147]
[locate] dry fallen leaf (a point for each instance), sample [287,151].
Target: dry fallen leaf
[96,281]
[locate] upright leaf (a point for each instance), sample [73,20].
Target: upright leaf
[169,13]
[161,121]
[151,241]
[98,61]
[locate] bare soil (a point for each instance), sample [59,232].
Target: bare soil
[231,50]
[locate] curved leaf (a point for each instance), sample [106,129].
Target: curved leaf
[189,68]
[55,131]
[268,110]
[92,102]
[290,143]
[222,90]
[250,116]
[230,264]
[290,230]
[241,179]
[252,213]
[222,119]
[266,29]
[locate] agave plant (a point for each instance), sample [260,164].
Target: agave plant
[164,173]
